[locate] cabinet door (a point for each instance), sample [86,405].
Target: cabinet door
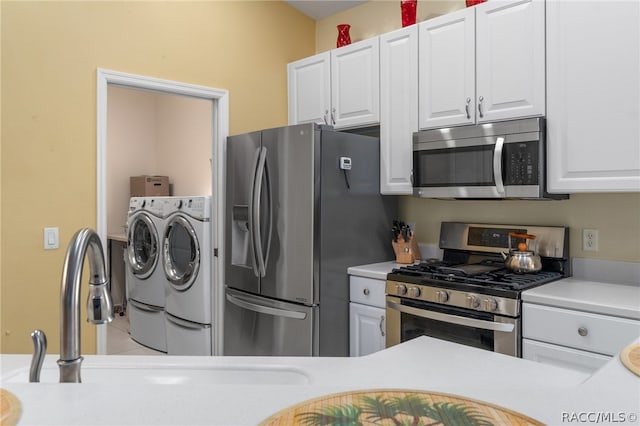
[355,84]
[366,329]
[398,108]
[510,59]
[309,85]
[582,361]
[593,96]
[446,64]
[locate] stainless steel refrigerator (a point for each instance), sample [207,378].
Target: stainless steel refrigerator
[303,204]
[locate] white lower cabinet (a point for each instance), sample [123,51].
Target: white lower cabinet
[583,341]
[366,316]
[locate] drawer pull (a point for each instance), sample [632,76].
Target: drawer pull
[583,331]
[366,291]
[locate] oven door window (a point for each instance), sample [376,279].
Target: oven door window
[464,166]
[414,326]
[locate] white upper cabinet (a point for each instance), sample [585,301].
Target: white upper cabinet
[483,63]
[593,96]
[510,60]
[398,108]
[309,85]
[340,87]
[355,84]
[447,70]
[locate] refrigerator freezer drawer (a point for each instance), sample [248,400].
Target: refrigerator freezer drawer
[255,325]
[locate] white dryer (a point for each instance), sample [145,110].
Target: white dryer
[187,263]
[144,274]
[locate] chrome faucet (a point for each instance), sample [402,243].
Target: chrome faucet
[99,306]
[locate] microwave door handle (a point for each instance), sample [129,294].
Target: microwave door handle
[268,310]
[452,319]
[497,165]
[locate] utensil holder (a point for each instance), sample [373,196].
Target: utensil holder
[406,251]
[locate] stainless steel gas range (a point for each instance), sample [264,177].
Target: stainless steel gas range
[469,296]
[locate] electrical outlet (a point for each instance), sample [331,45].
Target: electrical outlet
[590,240]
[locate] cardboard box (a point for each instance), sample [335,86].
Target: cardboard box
[149,186]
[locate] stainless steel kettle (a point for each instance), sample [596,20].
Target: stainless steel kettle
[522,260]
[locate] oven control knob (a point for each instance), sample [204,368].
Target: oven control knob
[442,296]
[401,289]
[489,304]
[414,292]
[473,302]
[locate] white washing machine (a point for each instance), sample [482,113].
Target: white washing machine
[144,273]
[187,262]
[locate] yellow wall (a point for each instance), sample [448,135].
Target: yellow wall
[50,53]
[616,216]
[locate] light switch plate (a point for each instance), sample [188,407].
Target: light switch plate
[51,238]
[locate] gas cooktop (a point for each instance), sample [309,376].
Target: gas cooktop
[490,278]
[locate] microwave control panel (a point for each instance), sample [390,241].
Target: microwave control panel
[521,161]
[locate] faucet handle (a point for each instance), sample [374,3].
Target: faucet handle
[39,351]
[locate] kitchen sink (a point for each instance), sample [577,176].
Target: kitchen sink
[135,370]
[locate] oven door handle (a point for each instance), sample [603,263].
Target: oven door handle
[453,319]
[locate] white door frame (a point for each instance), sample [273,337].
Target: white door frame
[220,123]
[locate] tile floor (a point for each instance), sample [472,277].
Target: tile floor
[120,343]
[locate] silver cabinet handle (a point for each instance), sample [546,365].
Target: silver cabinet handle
[466,108]
[333,116]
[480,99]
[583,331]
[452,319]
[366,291]
[265,309]
[497,165]
[381,325]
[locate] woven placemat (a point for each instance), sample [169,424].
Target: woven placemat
[10,408]
[630,357]
[396,406]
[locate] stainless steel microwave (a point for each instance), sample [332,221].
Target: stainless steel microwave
[492,160]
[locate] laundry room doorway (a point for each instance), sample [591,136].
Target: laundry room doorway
[149,126]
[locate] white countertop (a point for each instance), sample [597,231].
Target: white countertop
[543,392]
[574,293]
[376,271]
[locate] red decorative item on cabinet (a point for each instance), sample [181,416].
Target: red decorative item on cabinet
[343,35]
[408,8]
[474,2]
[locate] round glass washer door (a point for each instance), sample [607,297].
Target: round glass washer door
[181,253]
[142,246]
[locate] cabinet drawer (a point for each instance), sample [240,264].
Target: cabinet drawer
[367,291]
[581,330]
[545,353]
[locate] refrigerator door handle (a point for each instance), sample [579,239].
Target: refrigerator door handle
[252,216]
[261,174]
[265,309]
[269,213]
